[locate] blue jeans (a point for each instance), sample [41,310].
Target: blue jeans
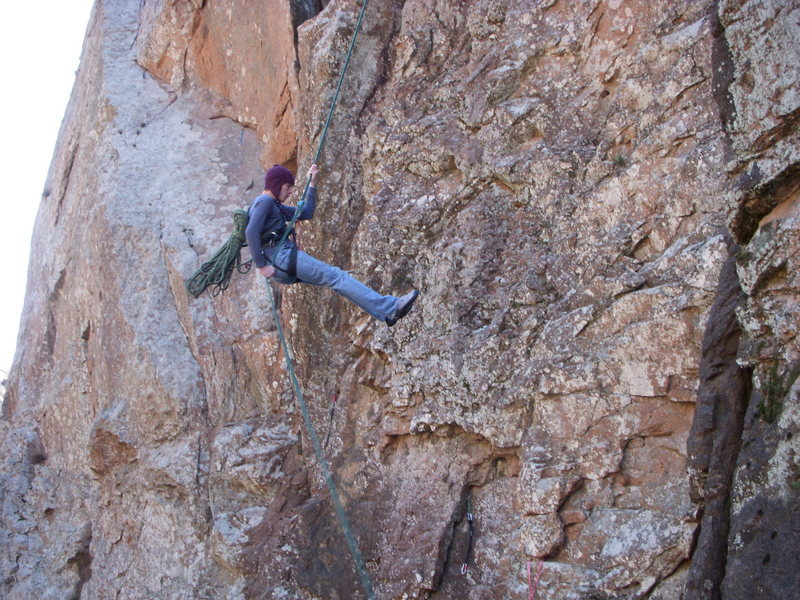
[315,272]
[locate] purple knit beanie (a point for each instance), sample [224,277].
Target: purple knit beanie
[276,177]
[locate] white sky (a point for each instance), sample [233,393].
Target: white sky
[40,46]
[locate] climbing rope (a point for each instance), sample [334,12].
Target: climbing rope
[216,271]
[326,471]
[324,135]
[312,433]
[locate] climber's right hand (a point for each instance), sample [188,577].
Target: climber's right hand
[312,175]
[267,271]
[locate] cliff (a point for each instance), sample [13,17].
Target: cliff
[599,203]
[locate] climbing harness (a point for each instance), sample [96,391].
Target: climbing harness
[532,587]
[274,238]
[363,575]
[465,564]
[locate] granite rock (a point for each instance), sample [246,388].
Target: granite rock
[599,203]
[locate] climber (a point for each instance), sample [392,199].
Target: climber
[287,264]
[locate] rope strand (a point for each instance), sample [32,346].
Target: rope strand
[324,136]
[326,471]
[312,434]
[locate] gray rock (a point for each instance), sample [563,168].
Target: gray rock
[598,202]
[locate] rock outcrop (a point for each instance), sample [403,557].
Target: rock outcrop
[599,203]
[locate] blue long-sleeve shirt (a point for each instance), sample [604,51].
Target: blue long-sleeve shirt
[268,215]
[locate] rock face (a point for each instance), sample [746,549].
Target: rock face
[600,203]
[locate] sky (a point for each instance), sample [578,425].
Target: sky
[40,47]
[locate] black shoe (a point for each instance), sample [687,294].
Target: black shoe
[403,306]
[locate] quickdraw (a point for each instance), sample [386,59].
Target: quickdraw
[470,519]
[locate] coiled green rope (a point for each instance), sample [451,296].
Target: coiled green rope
[216,272]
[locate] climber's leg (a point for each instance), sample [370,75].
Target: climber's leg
[313,271]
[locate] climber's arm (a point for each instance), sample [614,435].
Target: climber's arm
[258,214]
